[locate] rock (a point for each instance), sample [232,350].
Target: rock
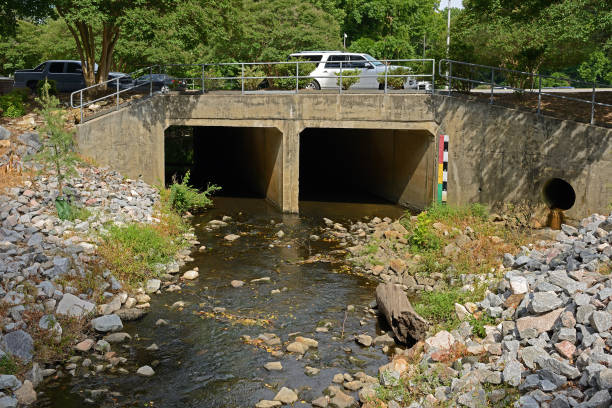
[364,340]
[130,314]
[311,371]
[559,367]
[152,285]
[512,373]
[72,306]
[338,379]
[8,402]
[384,340]
[231,237]
[4,133]
[461,312]
[604,379]
[117,337]
[320,402]
[107,323]
[237,283]
[18,344]
[9,382]
[273,366]
[541,323]
[85,345]
[519,285]
[286,396]
[145,371]
[601,321]
[353,385]
[442,340]
[280,234]
[341,400]
[566,349]
[297,347]
[26,394]
[544,302]
[308,342]
[268,404]
[190,275]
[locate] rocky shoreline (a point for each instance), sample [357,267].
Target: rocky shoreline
[42,260]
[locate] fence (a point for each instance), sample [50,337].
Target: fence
[464,77]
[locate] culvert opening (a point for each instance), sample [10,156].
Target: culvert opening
[244,161]
[559,194]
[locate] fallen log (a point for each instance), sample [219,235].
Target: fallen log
[393,303]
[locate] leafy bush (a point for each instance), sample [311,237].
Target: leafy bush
[288,70]
[349,78]
[52,87]
[439,306]
[253,71]
[556,79]
[422,237]
[478,325]
[13,104]
[395,82]
[185,198]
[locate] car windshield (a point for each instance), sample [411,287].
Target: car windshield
[373,60]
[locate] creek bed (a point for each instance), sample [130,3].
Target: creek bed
[202,361]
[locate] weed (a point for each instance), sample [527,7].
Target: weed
[478,325]
[185,198]
[8,365]
[12,104]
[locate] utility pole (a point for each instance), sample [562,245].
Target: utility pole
[344,40]
[448,43]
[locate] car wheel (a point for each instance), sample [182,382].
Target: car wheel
[313,85]
[32,85]
[381,87]
[165,89]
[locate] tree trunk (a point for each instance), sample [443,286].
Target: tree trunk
[407,325]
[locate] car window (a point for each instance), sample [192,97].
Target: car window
[357,61]
[41,67]
[56,67]
[144,78]
[373,60]
[74,68]
[312,58]
[334,61]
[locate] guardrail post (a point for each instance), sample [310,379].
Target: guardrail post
[297,76]
[81,104]
[593,105]
[492,85]
[242,76]
[539,93]
[150,81]
[203,78]
[386,70]
[450,74]
[340,77]
[433,76]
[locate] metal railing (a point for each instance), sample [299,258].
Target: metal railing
[499,79]
[400,75]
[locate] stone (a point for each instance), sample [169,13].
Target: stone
[268,404]
[26,394]
[342,400]
[601,321]
[152,285]
[519,285]
[107,323]
[18,344]
[385,340]
[117,337]
[72,306]
[442,340]
[145,371]
[8,402]
[286,396]
[566,349]
[338,379]
[320,402]
[130,314]
[273,366]
[190,275]
[353,385]
[237,283]
[311,371]
[364,340]
[297,347]
[544,302]
[541,324]
[308,342]
[231,237]
[85,345]
[559,367]
[512,373]
[4,133]
[604,379]
[9,382]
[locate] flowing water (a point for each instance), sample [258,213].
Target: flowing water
[202,361]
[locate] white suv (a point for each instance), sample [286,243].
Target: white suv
[328,65]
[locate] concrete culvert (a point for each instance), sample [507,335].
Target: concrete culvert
[559,194]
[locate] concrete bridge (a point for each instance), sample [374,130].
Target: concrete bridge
[384,144]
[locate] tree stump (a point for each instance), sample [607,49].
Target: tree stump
[393,303]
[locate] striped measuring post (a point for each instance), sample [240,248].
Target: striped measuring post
[442,168]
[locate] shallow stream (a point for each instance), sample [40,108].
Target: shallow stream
[202,360]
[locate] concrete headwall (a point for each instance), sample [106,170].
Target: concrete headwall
[498,154]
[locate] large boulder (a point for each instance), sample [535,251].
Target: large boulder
[107,323]
[18,344]
[73,306]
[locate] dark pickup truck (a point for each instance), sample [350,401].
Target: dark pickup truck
[67,74]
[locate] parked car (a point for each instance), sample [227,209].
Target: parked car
[325,74]
[125,81]
[67,74]
[161,83]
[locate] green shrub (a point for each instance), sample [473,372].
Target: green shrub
[558,79]
[395,82]
[8,365]
[253,71]
[349,78]
[422,237]
[66,210]
[288,70]
[185,198]
[478,325]
[439,306]
[52,87]
[13,103]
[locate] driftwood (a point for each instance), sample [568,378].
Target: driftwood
[407,325]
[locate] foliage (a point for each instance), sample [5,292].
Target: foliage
[8,365]
[185,198]
[52,87]
[348,78]
[253,71]
[12,104]
[597,68]
[67,210]
[421,237]
[288,70]
[478,325]
[395,82]
[555,79]
[58,148]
